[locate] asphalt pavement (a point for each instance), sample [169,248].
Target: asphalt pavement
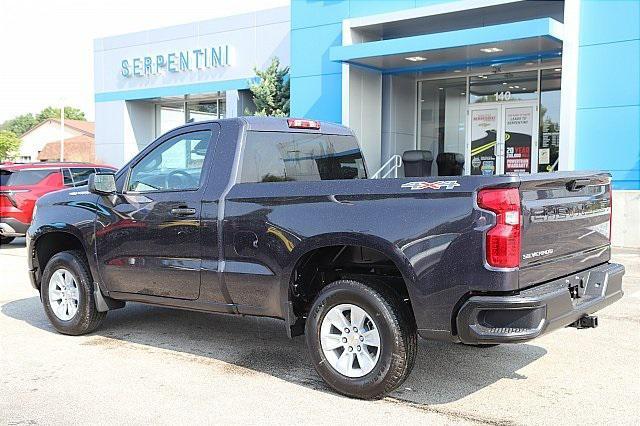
[155,365]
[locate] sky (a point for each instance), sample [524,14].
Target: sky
[47,45]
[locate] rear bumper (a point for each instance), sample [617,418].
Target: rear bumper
[540,309]
[10,227]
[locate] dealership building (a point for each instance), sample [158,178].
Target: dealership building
[507,85]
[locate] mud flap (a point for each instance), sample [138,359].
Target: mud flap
[104,303]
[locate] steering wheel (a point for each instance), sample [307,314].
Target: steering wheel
[182,180]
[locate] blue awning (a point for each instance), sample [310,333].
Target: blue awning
[524,40]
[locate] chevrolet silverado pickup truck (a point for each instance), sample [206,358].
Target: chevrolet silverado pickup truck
[276,217]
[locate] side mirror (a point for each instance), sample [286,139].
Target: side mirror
[102,183]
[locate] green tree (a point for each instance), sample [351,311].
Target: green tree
[271,92]
[70,113]
[9,144]
[20,124]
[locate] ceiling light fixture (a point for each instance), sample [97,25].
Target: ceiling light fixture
[416,58]
[491,50]
[557,69]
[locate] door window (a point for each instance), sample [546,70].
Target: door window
[80,176]
[176,164]
[502,139]
[67,179]
[518,136]
[484,137]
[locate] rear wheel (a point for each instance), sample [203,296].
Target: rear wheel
[67,294]
[6,240]
[361,339]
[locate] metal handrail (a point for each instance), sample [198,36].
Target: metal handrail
[397,163]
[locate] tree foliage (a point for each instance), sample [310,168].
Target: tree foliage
[23,123]
[70,113]
[271,92]
[9,144]
[20,124]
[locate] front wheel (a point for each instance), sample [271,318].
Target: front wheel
[362,339]
[67,294]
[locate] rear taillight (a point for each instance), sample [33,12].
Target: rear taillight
[13,196]
[503,239]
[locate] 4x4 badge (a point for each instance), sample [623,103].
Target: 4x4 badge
[446,184]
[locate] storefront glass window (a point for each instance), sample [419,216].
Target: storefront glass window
[443,105]
[201,111]
[504,87]
[171,116]
[206,110]
[549,142]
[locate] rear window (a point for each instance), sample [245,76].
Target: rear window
[24,177]
[281,157]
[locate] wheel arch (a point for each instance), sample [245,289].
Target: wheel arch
[47,243]
[309,247]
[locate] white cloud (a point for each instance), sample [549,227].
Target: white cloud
[47,45]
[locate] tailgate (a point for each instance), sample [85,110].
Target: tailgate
[565,226]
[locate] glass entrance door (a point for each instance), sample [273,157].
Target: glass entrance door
[501,138]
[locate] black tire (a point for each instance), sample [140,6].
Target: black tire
[6,240]
[87,318]
[398,338]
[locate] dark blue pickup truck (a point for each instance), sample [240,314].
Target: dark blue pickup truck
[276,217]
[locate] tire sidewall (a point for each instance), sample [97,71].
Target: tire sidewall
[372,384]
[69,262]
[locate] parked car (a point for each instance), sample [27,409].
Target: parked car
[275,217]
[21,184]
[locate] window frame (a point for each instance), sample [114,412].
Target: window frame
[215,130]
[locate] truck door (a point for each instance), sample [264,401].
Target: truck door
[148,237]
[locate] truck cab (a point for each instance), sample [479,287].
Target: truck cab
[277,217]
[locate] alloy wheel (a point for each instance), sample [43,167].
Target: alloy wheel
[64,295]
[350,340]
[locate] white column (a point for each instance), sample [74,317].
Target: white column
[233,103]
[569,92]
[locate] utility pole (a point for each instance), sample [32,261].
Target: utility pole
[62,132]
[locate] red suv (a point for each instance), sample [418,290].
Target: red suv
[22,184]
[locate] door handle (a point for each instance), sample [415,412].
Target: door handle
[183,211]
